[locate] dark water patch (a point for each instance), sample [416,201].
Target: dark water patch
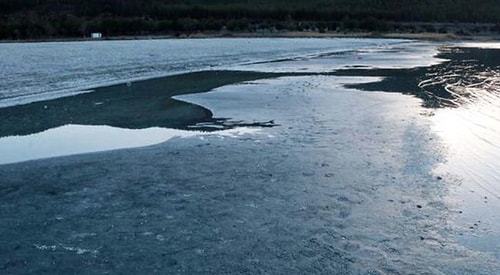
[461,79]
[288,59]
[136,105]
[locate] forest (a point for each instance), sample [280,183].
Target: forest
[45,19]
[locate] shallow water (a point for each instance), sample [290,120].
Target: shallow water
[465,89]
[343,185]
[78,139]
[143,104]
[36,71]
[324,172]
[471,133]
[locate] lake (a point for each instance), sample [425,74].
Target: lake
[363,156]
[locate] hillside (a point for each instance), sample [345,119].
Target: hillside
[34,19]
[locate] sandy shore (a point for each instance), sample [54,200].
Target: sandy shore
[344,184]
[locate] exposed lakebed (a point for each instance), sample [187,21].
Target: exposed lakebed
[306,166]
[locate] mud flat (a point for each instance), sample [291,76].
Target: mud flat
[285,173]
[344,184]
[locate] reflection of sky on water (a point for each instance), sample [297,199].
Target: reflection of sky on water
[480,45]
[469,80]
[472,137]
[275,55]
[77,139]
[471,134]
[472,131]
[465,89]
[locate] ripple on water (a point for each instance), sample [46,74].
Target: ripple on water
[472,137]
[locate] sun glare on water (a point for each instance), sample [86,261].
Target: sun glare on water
[471,133]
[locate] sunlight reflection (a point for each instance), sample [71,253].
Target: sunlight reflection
[472,136]
[480,45]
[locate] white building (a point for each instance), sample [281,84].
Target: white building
[96,35]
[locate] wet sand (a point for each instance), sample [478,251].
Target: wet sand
[343,184]
[132,105]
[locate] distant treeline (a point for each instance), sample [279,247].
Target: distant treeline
[32,19]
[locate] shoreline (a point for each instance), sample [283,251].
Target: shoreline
[157,106]
[279,34]
[299,197]
[344,184]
